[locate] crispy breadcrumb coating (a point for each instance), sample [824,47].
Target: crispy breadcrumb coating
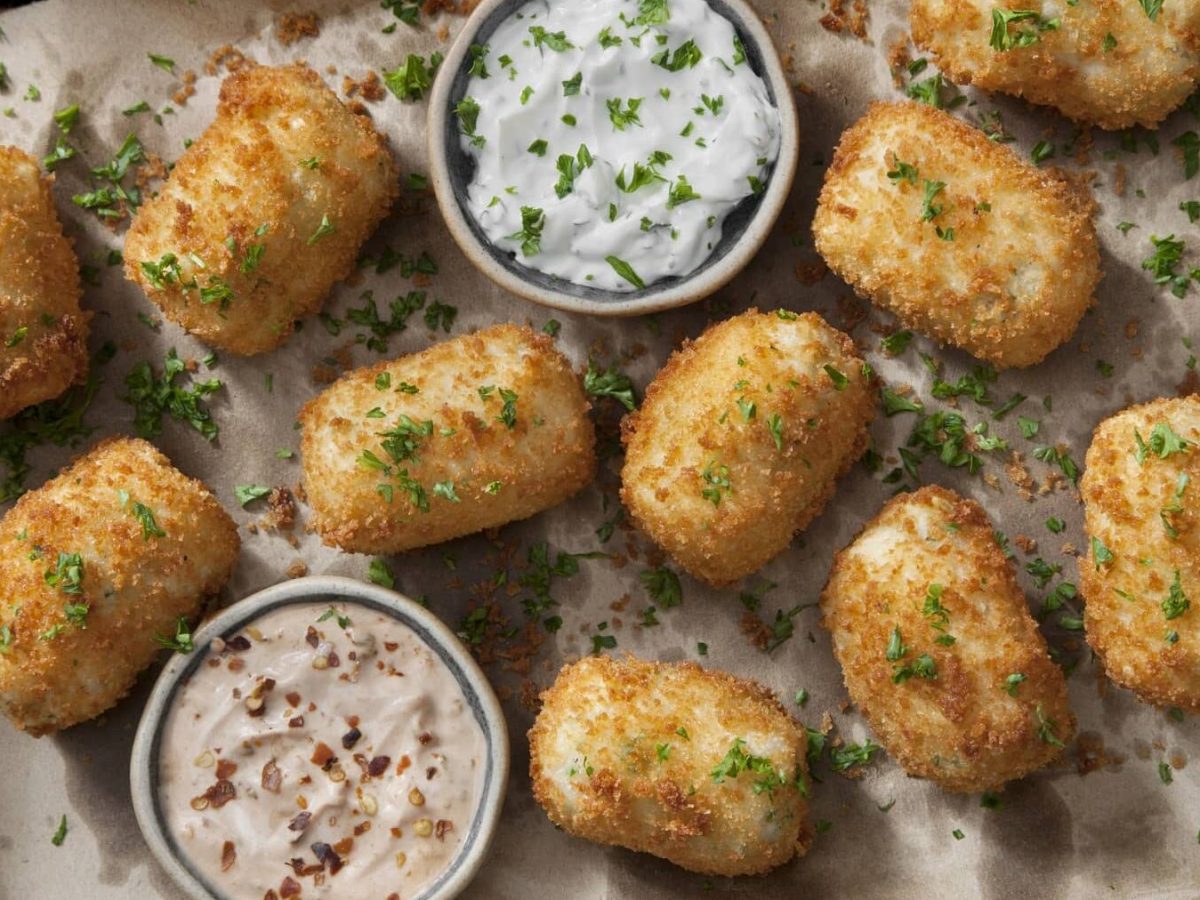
[938,648]
[1141,576]
[469,434]
[956,235]
[264,212]
[741,438]
[693,765]
[1105,61]
[43,333]
[76,631]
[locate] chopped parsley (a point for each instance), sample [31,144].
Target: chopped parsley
[662,584]
[467,111]
[610,382]
[1176,603]
[245,493]
[153,397]
[556,40]
[325,228]
[1005,37]
[623,118]
[626,271]
[410,80]
[1046,728]
[533,220]
[181,642]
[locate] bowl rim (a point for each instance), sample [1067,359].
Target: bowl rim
[434,632]
[689,288]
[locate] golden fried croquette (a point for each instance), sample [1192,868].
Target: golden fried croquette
[469,434]
[97,562]
[1106,62]
[263,213]
[956,235]
[938,649]
[741,438]
[43,333]
[1141,576]
[696,766]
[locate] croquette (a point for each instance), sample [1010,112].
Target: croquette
[1141,574]
[43,332]
[741,438]
[1112,63]
[101,560]
[693,765]
[469,434]
[938,648]
[263,213]
[958,236]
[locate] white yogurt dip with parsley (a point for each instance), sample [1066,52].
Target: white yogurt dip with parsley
[613,137]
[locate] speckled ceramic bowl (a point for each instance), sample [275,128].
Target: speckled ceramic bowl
[745,230]
[143,774]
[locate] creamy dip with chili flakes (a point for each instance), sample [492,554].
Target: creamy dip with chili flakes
[322,751]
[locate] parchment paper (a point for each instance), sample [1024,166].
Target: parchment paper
[1118,831]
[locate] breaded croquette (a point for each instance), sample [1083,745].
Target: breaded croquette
[1141,576]
[693,765]
[469,434]
[741,438]
[938,648]
[1112,63]
[43,333]
[97,563]
[263,213]
[956,235]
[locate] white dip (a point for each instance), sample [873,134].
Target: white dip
[323,751]
[613,137]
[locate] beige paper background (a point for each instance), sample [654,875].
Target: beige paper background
[1117,832]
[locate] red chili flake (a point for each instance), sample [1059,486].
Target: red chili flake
[272,777]
[235,664]
[268,684]
[350,738]
[293,699]
[296,722]
[311,637]
[334,661]
[328,857]
[430,772]
[404,763]
[228,856]
[441,827]
[390,646]
[212,662]
[271,895]
[225,768]
[344,846]
[300,821]
[378,766]
[362,828]
[424,737]
[289,888]
[303,869]
[238,643]
[220,794]
[393,896]
[352,721]
[323,755]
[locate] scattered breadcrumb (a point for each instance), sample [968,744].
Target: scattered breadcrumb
[293,27]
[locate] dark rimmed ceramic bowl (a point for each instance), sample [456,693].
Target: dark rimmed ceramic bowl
[143,767]
[745,230]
